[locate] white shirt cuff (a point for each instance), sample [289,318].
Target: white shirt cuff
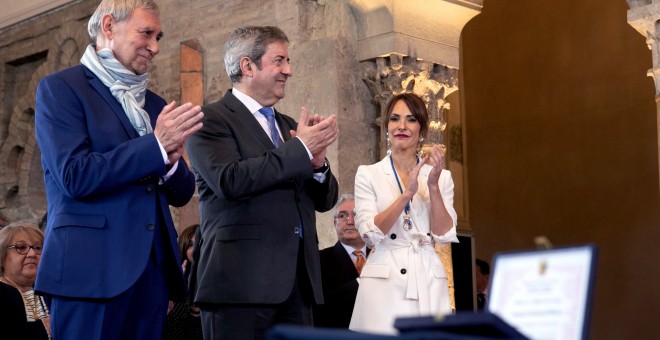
[167,162]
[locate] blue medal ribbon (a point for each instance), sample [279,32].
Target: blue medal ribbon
[407,223]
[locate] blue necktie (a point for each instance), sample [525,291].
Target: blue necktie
[275,136]
[272,124]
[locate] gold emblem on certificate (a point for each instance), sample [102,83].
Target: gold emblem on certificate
[407,222]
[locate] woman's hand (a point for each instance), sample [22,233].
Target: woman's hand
[413,185]
[436,158]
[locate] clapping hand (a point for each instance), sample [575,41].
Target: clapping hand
[413,185]
[174,125]
[317,133]
[436,158]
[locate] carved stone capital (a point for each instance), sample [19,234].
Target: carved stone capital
[395,74]
[644,16]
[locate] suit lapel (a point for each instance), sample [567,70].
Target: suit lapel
[284,127]
[389,178]
[346,260]
[104,92]
[386,166]
[152,107]
[245,116]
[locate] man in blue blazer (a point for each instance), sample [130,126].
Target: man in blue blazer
[111,155]
[261,177]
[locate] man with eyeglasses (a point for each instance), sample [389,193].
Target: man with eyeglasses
[340,266]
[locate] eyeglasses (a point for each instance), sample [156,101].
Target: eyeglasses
[23,248]
[343,216]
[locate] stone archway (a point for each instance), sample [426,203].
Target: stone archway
[23,196]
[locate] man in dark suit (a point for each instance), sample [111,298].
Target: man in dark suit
[258,262]
[482,275]
[339,268]
[110,256]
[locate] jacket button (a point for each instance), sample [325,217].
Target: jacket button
[150,189]
[150,226]
[393,236]
[403,271]
[296,230]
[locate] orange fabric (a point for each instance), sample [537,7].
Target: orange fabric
[359,263]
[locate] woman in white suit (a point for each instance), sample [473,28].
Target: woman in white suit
[404,205]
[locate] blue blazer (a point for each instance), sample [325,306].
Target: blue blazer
[106,208]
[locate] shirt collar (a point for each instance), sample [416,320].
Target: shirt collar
[248,101]
[350,249]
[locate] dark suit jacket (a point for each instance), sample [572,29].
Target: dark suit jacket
[340,287]
[105,206]
[252,200]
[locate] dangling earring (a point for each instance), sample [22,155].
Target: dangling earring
[389,145]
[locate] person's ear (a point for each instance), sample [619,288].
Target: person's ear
[107,26]
[246,66]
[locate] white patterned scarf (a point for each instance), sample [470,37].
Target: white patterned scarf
[127,87]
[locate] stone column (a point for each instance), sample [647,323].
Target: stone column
[644,16]
[413,46]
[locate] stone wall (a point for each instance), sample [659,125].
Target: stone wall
[327,80]
[29,51]
[326,74]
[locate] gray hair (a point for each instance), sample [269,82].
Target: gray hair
[251,42]
[120,10]
[342,198]
[9,232]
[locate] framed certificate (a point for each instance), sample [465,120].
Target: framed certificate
[544,294]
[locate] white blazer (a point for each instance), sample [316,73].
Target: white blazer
[403,275]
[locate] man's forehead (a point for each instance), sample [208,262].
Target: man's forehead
[346,205]
[279,48]
[144,18]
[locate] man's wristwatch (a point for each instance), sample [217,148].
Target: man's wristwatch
[323,168]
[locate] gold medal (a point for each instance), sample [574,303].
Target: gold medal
[407,221]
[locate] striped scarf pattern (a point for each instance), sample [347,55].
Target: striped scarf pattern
[127,87]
